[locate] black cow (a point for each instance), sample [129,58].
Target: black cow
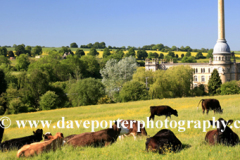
[222,135]
[162,110]
[1,131]
[210,104]
[163,141]
[19,142]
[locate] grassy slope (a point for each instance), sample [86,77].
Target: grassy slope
[128,148]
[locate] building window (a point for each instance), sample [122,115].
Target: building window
[202,70]
[203,78]
[196,70]
[209,70]
[195,78]
[219,58]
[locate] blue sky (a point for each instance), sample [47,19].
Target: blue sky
[117,23]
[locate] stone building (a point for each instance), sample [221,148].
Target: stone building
[228,70]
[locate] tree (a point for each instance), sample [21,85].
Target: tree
[22,62]
[92,66]
[188,54]
[86,92]
[16,106]
[73,45]
[170,53]
[115,74]
[65,50]
[3,51]
[93,52]
[28,50]
[152,55]
[20,49]
[231,87]
[48,101]
[133,91]
[210,53]
[214,83]
[199,55]
[106,53]
[118,55]
[174,82]
[4,60]
[34,87]
[10,54]
[174,48]
[131,52]
[79,52]
[37,50]
[190,59]
[3,82]
[142,54]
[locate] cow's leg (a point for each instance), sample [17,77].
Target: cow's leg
[151,117]
[207,111]
[203,111]
[134,135]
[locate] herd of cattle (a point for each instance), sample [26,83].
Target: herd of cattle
[162,141]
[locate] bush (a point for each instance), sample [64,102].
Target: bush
[133,91]
[86,92]
[232,87]
[199,90]
[48,101]
[16,106]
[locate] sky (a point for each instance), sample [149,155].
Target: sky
[56,23]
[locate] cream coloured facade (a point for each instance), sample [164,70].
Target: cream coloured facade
[202,71]
[227,69]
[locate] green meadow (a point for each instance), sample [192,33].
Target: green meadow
[128,148]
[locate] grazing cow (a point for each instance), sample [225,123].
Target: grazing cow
[19,142]
[210,104]
[39,147]
[98,139]
[1,131]
[222,135]
[68,137]
[162,110]
[163,141]
[132,126]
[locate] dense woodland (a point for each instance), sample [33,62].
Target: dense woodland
[57,81]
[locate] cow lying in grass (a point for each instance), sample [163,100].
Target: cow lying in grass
[53,143]
[98,139]
[222,135]
[19,142]
[163,141]
[133,126]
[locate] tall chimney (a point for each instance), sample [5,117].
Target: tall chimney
[221,26]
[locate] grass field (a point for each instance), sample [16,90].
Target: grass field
[193,139]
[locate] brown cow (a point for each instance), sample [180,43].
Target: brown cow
[221,134]
[163,141]
[39,147]
[47,136]
[210,104]
[162,110]
[132,126]
[98,139]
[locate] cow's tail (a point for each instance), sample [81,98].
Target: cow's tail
[199,102]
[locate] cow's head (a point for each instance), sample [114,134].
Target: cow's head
[175,113]
[222,125]
[47,135]
[219,110]
[38,133]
